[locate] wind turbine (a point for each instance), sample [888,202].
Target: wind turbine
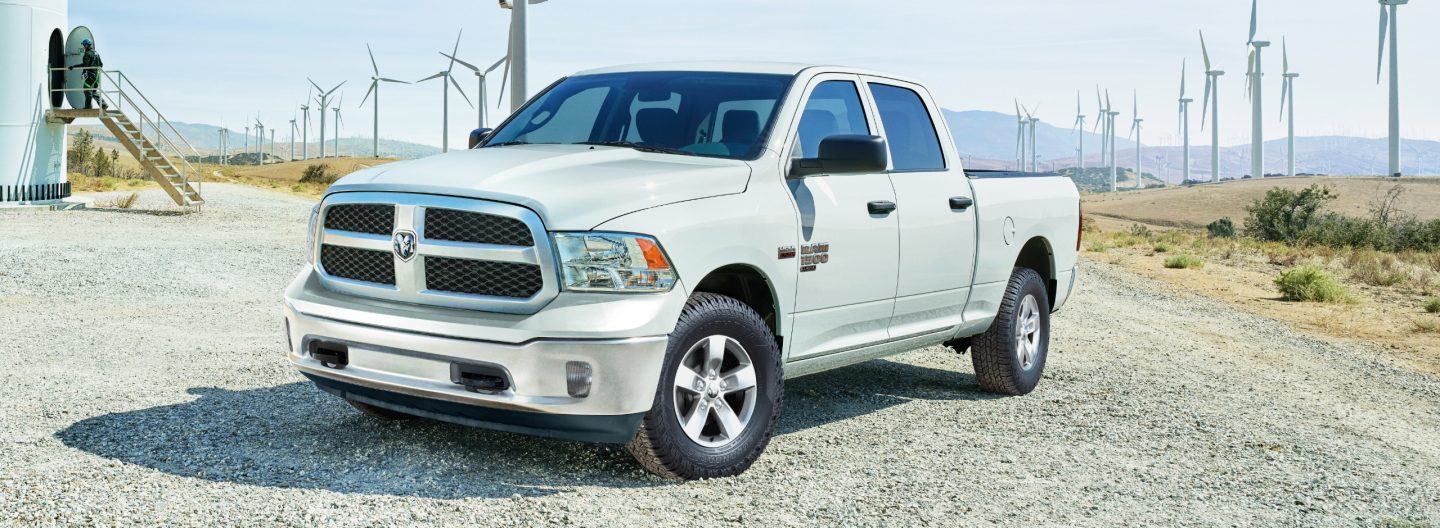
[1020,138]
[272,144]
[1254,85]
[1034,152]
[375,81]
[445,76]
[1110,115]
[324,100]
[1102,124]
[1287,96]
[1080,133]
[1212,99]
[1390,20]
[338,122]
[516,52]
[1185,125]
[305,129]
[479,74]
[247,142]
[1135,129]
[259,141]
[290,155]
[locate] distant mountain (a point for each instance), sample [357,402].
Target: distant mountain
[206,140]
[991,136]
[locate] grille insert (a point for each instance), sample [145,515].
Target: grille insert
[477,228]
[378,219]
[364,265]
[483,277]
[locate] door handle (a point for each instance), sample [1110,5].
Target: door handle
[881,207]
[960,203]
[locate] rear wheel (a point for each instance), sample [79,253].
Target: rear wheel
[1009,358]
[719,395]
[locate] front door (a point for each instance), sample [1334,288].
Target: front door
[847,254]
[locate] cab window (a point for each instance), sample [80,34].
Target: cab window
[914,145]
[833,109]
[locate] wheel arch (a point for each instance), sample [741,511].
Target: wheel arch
[1037,254]
[749,285]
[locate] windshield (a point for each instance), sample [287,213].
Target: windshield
[721,115]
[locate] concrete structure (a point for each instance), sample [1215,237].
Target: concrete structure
[32,149]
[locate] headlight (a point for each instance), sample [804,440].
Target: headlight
[612,262]
[310,234]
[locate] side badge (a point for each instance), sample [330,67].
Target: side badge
[787,252]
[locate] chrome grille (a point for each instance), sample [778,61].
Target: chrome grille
[479,228]
[468,254]
[358,264]
[479,277]
[376,219]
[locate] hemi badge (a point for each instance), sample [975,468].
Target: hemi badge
[787,252]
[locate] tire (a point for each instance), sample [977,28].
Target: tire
[379,412]
[664,445]
[1001,364]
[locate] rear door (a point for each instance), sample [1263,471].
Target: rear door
[846,255]
[936,210]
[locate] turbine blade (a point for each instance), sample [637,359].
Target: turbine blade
[1205,108]
[1253,5]
[387,79]
[317,87]
[441,74]
[462,63]
[1285,53]
[373,84]
[497,64]
[505,76]
[1204,51]
[461,90]
[372,59]
[1182,78]
[1384,25]
[337,87]
[1284,90]
[1249,73]
[456,51]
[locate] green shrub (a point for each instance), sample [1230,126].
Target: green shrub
[1096,246]
[1222,228]
[1283,215]
[1183,262]
[1140,231]
[1161,247]
[1311,284]
[1433,306]
[318,173]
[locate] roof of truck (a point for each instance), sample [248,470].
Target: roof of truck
[783,68]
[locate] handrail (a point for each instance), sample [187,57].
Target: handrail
[121,94]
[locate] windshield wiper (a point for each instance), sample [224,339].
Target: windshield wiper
[508,143]
[636,146]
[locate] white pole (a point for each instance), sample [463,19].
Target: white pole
[1034,152]
[1114,170]
[1080,155]
[305,135]
[1394,91]
[322,130]
[1215,131]
[1290,146]
[445,120]
[481,123]
[1257,121]
[272,144]
[1139,172]
[375,141]
[1185,122]
[517,55]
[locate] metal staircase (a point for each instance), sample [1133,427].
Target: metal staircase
[150,138]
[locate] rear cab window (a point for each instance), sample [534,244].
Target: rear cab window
[909,130]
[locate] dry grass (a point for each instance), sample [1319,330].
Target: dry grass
[1195,207]
[1183,262]
[123,202]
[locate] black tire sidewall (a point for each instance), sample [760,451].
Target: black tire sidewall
[709,320]
[1033,285]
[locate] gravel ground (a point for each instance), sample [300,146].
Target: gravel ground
[144,382]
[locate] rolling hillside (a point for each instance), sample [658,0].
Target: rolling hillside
[1198,205]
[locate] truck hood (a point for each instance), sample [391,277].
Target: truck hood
[571,187]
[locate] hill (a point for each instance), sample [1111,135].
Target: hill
[206,140]
[991,136]
[1195,206]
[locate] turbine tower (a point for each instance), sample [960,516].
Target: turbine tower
[259,142]
[1022,123]
[1389,20]
[290,154]
[1287,96]
[324,100]
[375,81]
[517,53]
[1135,132]
[1254,86]
[1080,132]
[445,78]
[480,75]
[1184,125]
[338,121]
[305,129]
[1102,123]
[1034,151]
[1212,99]
[272,143]
[1110,115]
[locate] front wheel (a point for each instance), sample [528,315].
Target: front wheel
[719,395]
[1010,357]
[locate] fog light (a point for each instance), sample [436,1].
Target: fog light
[577,378]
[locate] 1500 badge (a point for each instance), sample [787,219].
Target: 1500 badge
[812,255]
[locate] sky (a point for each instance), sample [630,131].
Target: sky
[225,62]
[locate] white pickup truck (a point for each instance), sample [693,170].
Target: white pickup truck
[644,254]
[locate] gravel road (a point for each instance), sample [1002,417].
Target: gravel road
[142,380]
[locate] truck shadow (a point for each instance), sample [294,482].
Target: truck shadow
[294,436]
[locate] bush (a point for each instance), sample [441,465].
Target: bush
[1222,228]
[1140,231]
[1096,246]
[1088,225]
[1433,306]
[1283,215]
[318,173]
[1183,262]
[1375,268]
[1311,284]
[1161,247]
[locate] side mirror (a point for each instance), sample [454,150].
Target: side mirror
[478,135]
[844,154]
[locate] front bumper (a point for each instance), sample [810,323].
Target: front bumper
[404,365]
